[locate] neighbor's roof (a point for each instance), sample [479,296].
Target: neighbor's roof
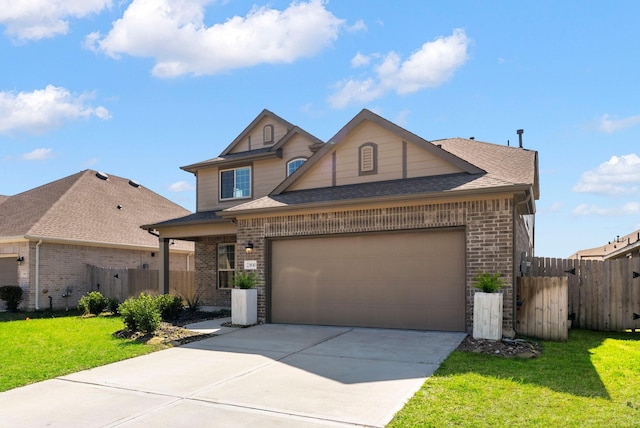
[89,207]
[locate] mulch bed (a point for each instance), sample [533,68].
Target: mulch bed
[508,348]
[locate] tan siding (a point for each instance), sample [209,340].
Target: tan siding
[297,147]
[389,160]
[421,163]
[207,188]
[257,142]
[317,176]
[267,175]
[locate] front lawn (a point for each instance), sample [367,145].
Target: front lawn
[36,349]
[591,380]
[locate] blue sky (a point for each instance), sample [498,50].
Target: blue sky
[139,88]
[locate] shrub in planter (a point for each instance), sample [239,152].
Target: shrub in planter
[140,313]
[12,296]
[488,283]
[170,306]
[93,303]
[245,280]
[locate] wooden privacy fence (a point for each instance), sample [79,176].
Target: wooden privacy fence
[542,307]
[602,295]
[124,283]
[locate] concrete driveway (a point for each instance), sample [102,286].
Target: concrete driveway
[268,375]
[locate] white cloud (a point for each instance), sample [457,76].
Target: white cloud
[39,19]
[174,34]
[360,60]
[610,125]
[38,155]
[631,208]
[620,174]
[180,186]
[428,67]
[43,109]
[358,26]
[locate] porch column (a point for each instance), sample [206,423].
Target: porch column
[164,266]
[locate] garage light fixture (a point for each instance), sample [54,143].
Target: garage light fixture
[20,259]
[249,247]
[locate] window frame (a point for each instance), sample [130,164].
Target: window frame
[235,188]
[300,158]
[229,272]
[374,159]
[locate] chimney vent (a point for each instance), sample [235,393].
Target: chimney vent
[520,132]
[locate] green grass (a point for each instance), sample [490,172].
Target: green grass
[49,345]
[593,380]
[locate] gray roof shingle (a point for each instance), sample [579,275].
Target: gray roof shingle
[83,207]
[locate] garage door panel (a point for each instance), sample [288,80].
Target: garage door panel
[399,280]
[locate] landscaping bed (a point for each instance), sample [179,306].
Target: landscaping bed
[519,348]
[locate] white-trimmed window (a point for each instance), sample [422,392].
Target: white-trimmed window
[294,164]
[267,134]
[226,264]
[235,183]
[368,159]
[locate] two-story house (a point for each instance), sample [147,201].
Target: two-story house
[377,227]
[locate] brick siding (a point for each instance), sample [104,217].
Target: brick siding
[488,227]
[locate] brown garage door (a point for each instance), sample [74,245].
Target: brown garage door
[412,280]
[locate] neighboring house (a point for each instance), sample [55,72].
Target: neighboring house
[49,234]
[621,247]
[377,227]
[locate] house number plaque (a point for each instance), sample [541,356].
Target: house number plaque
[250,264]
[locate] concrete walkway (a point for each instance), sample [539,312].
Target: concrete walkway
[268,375]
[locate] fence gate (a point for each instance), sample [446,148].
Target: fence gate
[602,295]
[542,307]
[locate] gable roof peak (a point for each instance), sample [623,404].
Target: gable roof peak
[264,113]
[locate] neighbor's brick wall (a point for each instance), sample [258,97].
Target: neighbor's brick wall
[63,266]
[488,224]
[206,271]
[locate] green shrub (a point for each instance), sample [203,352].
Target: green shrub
[93,303]
[140,313]
[488,283]
[170,306]
[112,305]
[12,296]
[245,280]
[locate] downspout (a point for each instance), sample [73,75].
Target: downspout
[516,265]
[38,274]
[189,261]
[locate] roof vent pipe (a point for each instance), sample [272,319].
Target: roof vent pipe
[520,132]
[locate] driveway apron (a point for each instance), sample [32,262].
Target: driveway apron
[268,375]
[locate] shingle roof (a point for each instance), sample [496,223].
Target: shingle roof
[512,164]
[83,207]
[399,189]
[195,218]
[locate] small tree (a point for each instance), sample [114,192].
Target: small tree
[12,296]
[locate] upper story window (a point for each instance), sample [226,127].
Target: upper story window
[294,164]
[235,183]
[267,134]
[368,159]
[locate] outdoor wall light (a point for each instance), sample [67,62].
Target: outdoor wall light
[20,259]
[249,247]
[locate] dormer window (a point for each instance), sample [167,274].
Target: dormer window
[368,159]
[235,183]
[294,164]
[267,133]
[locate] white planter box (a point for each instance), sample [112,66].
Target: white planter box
[244,306]
[487,316]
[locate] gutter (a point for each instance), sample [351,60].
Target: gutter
[38,274]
